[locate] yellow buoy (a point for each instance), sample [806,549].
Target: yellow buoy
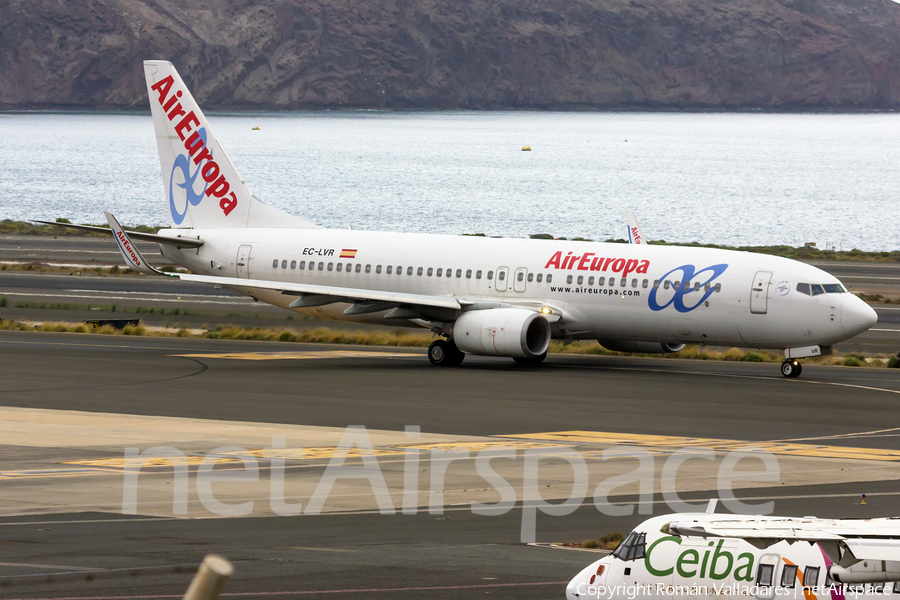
[256,128]
[526,148]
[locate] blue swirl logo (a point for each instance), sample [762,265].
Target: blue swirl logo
[687,285]
[192,198]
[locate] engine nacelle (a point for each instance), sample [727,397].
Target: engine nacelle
[513,332]
[640,347]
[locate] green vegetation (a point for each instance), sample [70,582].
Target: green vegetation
[894,362]
[24,228]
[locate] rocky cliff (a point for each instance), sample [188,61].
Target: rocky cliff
[659,54]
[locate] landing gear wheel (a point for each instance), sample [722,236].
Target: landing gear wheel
[444,353]
[791,368]
[530,361]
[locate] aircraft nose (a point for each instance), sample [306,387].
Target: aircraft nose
[856,316]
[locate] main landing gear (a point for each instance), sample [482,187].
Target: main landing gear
[444,353]
[791,368]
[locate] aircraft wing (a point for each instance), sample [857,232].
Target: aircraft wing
[144,237]
[309,295]
[855,533]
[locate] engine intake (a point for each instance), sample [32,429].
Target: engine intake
[513,332]
[641,347]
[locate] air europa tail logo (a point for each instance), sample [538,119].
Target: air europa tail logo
[131,253]
[591,262]
[215,183]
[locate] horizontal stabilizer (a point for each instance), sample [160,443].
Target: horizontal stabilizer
[184,242]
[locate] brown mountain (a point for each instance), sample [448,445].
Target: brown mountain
[681,54]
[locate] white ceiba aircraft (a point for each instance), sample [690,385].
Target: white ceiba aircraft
[496,297]
[704,556]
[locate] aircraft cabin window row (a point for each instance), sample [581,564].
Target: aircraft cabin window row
[431,271]
[814,289]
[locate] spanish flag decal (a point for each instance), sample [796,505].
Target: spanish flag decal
[345,253]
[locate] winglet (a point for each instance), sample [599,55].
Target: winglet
[133,257]
[635,235]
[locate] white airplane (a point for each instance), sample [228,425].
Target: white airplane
[705,556]
[485,296]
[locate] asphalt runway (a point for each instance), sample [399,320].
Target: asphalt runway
[454,555]
[486,396]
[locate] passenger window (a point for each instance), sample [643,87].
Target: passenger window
[449,272]
[359,268]
[430,271]
[409,270]
[591,280]
[569,279]
[530,277]
[368,268]
[469,273]
[765,574]
[549,277]
[803,288]
[302,265]
[697,286]
[330,266]
[666,284]
[440,273]
[718,287]
[390,269]
[789,576]
[645,284]
[284,264]
[817,289]
[378,270]
[623,282]
[634,282]
[580,279]
[811,577]
[707,287]
[478,274]
[399,270]
[275,264]
[458,273]
[293,264]
[490,275]
[349,267]
[539,277]
[656,284]
[687,286]
[419,271]
[676,285]
[601,281]
[502,275]
[321,266]
[340,266]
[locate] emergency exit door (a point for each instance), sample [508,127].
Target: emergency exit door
[243,261]
[759,293]
[519,279]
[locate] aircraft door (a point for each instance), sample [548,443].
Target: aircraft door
[243,261]
[766,574]
[501,284]
[519,281]
[759,293]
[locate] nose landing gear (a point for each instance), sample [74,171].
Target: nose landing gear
[791,368]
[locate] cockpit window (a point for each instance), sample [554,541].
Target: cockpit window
[814,289]
[632,548]
[817,289]
[803,288]
[834,288]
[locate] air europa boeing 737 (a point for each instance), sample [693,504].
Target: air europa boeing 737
[485,296]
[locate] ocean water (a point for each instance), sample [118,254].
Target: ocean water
[737,179]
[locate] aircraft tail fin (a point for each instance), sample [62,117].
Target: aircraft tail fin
[635,235]
[202,187]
